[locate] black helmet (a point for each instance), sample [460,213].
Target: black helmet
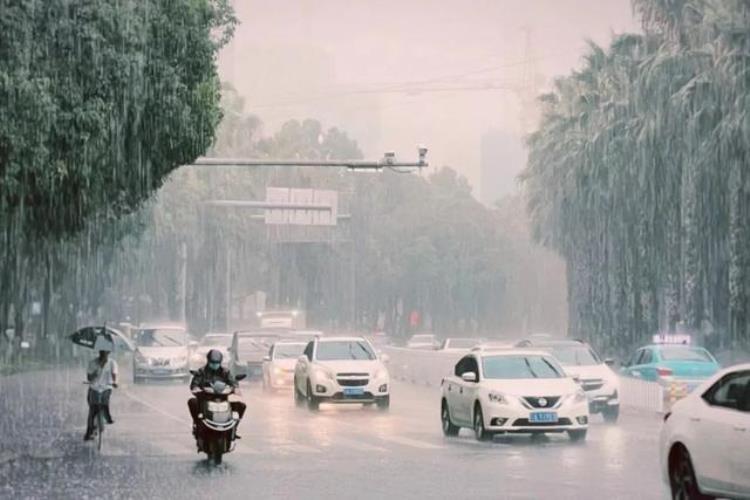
[214,356]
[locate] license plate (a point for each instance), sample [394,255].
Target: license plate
[353,391]
[214,406]
[545,417]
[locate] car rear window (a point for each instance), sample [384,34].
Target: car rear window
[678,353]
[578,355]
[288,351]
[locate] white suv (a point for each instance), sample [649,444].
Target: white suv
[512,391]
[705,441]
[596,377]
[341,370]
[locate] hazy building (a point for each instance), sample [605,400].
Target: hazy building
[502,157]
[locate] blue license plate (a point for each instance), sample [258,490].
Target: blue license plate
[353,391]
[543,417]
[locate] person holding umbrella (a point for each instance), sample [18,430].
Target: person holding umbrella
[102,377]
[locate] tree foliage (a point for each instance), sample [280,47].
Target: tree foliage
[99,102]
[638,176]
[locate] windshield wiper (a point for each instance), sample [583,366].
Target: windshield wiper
[526,360]
[552,367]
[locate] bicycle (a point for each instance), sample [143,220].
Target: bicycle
[99,402]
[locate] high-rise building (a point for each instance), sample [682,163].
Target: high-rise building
[502,157]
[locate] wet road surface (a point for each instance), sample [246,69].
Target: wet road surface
[289,452]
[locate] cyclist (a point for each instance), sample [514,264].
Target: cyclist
[102,377]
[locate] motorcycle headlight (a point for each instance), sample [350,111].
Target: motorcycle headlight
[496,397]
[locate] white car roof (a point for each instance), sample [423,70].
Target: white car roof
[512,352]
[341,339]
[162,326]
[735,368]
[289,342]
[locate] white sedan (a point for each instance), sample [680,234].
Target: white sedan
[278,366]
[512,391]
[341,370]
[705,440]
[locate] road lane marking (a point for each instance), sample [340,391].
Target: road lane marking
[414,443]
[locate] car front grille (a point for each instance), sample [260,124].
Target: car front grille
[536,402]
[352,382]
[592,384]
[160,362]
[340,395]
[524,422]
[352,374]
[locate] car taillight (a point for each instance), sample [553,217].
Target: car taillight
[663,372]
[667,415]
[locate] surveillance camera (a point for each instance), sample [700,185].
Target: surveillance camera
[389,157]
[422,152]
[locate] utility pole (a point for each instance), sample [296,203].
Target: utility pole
[228,288]
[183,282]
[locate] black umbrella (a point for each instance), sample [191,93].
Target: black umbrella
[88,335]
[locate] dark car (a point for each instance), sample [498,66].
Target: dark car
[248,349]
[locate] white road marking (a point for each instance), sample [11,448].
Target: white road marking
[414,443]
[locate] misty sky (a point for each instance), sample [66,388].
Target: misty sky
[380,68]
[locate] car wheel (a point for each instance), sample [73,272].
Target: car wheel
[383,403]
[480,432]
[611,414]
[299,399]
[682,479]
[577,435]
[313,403]
[445,416]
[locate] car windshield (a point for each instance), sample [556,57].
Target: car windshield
[161,337]
[217,340]
[462,343]
[288,351]
[520,367]
[679,353]
[575,355]
[255,343]
[343,350]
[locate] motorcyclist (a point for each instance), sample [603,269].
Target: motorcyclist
[102,377]
[207,375]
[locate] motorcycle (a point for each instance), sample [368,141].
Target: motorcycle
[217,431]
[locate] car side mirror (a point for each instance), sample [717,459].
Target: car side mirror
[609,362]
[385,358]
[266,358]
[469,377]
[192,344]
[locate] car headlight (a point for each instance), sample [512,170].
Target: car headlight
[496,397]
[380,373]
[277,370]
[141,359]
[179,361]
[322,372]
